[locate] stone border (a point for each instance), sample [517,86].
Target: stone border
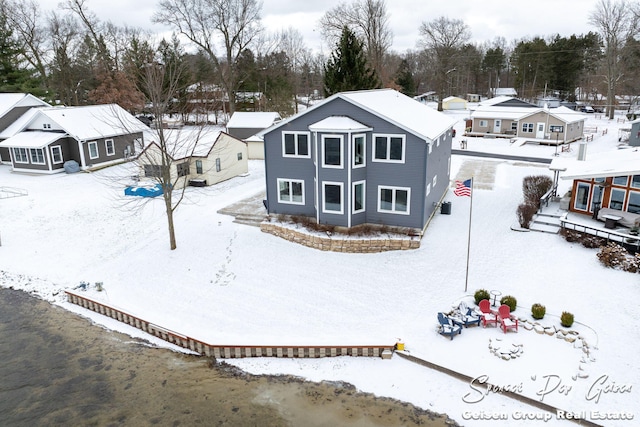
[231,351]
[339,243]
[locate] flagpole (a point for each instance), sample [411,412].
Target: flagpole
[466,279]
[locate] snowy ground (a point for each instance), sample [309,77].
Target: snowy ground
[231,284]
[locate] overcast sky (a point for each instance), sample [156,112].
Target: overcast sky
[487,19]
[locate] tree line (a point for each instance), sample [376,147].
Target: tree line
[72,57]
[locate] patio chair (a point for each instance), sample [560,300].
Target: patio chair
[487,315]
[465,316]
[447,327]
[507,321]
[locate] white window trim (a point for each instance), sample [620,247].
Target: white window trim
[364,197]
[111,152]
[388,136]
[297,156]
[393,211]
[324,200]
[26,155]
[289,202]
[435,180]
[44,157]
[59,149]
[364,150]
[483,123]
[95,144]
[341,165]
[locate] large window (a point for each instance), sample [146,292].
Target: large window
[56,154]
[617,199]
[389,148]
[582,196]
[635,181]
[394,199]
[358,197]
[109,147]
[183,169]
[153,171]
[291,191]
[332,151]
[359,151]
[295,144]
[93,150]
[199,167]
[620,180]
[634,202]
[332,200]
[527,127]
[37,156]
[20,155]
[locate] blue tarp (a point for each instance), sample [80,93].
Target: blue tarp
[146,191]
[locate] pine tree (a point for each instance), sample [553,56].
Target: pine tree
[13,78]
[347,68]
[404,79]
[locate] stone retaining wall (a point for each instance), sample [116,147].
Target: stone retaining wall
[340,243]
[230,351]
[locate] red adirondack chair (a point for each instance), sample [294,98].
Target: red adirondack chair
[507,321]
[488,316]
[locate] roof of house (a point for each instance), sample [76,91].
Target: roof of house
[253,120]
[341,123]
[621,162]
[185,143]
[563,114]
[34,139]
[9,101]
[392,106]
[454,99]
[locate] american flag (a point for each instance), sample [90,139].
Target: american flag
[463,188]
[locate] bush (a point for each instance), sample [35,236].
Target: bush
[538,311]
[571,236]
[534,187]
[480,295]
[566,319]
[613,255]
[592,242]
[525,213]
[510,301]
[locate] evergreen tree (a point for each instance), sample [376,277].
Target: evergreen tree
[13,78]
[347,68]
[404,79]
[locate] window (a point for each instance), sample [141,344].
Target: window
[359,151]
[291,191]
[93,150]
[617,199]
[183,169]
[109,147]
[20,155]
[582,196]
[634,202]
[635,181]
[56,154]
[37,156]
[428,190]
[394,199]
[218,165]
[389,148]
[239,156]
[153,171]
[435,181]
[332,151]
[332,200]
[358,197]
[514,126]
[620,180]
[46,126]
[199,167]
[295,144]
[483,123]
[527,127]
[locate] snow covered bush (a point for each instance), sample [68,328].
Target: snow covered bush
[510,301]
[612,255]
[534,187]
[525,213]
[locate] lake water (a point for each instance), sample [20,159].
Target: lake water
[57,369]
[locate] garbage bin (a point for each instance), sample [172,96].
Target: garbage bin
[445,208]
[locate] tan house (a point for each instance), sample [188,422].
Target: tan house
[197,158]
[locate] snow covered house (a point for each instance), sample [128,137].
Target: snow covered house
[374,156]
[43,139]
[454,103]
[607,183]
[245,125]
[197,157]
[12,106]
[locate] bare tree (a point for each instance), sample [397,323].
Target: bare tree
[444,38]
[615,22]
[205,22]
[369,20]
[292,44]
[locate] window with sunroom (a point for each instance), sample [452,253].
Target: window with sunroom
[37,156]
[20,155]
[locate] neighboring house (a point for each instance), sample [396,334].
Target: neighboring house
[548,101]
[12,106]
[504,91]
[454,103]
[506,101]
[609,181]
[244,125]
[545,125]
[634,134]
[374,156]
[473,97]
[43,139]
[430,96]
[196,158]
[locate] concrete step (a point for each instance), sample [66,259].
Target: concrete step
[544,228]
[249,219]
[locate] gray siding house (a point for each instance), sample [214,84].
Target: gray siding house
[375,156]
[12,106]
